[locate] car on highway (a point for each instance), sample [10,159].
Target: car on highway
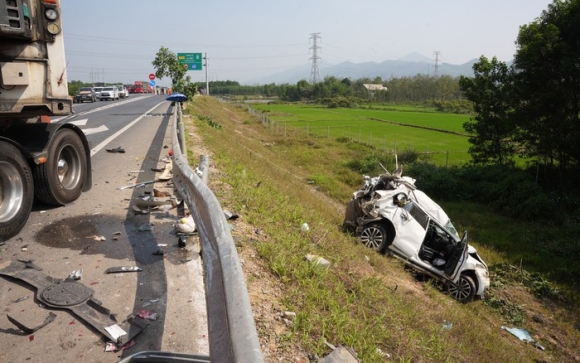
[98,91]
[123,91]
[85,94]
[389,214]
[109,93]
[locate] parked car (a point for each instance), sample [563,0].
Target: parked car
[123,92]
[98,91]
[390,214]
[85,94]
[109,93]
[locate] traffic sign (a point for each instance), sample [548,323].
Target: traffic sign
[151,76]
[193,61]
[152,83]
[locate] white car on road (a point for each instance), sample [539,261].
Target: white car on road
[123,92]
[109,93]
[390,214]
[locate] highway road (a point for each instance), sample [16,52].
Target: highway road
[62,240]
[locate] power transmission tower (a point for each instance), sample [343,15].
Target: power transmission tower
[436,71]
[314,76]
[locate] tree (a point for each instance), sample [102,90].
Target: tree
[493,128]
[166,65]
[547,76]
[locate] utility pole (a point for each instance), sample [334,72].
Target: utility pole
[436,71]
[206,59]
[314,76]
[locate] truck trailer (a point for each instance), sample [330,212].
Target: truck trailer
[39,159]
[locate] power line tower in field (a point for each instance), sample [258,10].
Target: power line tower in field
[314,76]
[436,72]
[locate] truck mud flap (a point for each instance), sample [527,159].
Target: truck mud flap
[76,297]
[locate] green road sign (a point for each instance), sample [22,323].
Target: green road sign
[193,61]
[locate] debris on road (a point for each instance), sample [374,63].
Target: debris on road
[231,215]
[75,275]
[146,227]
[147,315]
[186,225]
[112,270]
[28,263]
[20,299]
[51,316]
[112,347]
[97,237]
[138,184]
[116,150]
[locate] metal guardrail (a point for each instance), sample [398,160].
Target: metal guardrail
[232,332]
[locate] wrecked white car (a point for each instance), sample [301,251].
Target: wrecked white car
[390,214]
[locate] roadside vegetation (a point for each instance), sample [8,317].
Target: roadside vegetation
[365,300]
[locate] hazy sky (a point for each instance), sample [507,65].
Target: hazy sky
[116,40]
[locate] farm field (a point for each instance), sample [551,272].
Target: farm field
[437,135]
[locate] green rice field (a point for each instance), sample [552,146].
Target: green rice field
[438,135]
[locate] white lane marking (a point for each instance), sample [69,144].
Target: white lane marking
[98,148]
[95,130]
[82,122]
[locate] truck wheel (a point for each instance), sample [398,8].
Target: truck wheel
[16,191]
[61,178]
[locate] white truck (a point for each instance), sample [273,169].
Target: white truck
[49,161]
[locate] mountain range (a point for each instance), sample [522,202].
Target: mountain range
[407,66]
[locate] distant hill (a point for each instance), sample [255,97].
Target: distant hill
[407,66]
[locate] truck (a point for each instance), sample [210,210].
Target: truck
[39,158]
[138,87]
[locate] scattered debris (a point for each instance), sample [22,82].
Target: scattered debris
[119,269]
[160,194]
[51,316]
[97,237]
[138,184]
[29,264]
[116,150]
[112,347]
[340,355]
[317,260]
[305,227]
[231,215]
[290,315]
[186,225]
[75,275]
[159,252]
[146,227]
[523,335]
[115,331]
[158,169]
[116,236]
[137,171]
[138,210]
[148,315]
[20,299]
[447,325]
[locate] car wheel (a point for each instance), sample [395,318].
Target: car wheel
[16,190]
[464,290]
[374,236]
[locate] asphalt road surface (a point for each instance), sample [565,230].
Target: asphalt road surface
[62,240]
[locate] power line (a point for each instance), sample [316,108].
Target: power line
[314,76]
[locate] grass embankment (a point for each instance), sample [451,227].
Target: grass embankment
[364,300]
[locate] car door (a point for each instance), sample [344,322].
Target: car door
[457,259]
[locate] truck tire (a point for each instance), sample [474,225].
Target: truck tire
[61,178]
[16,191]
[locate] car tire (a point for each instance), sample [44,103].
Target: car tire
[61,178]
[464,290]
[17,189]
[374,236]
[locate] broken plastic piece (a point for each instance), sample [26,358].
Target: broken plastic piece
[186,225]
[29,264]
[116,150]
[111,270]
[51,316]
[20,299]
[115,331]
[75,275]
[521,334]
[149,315]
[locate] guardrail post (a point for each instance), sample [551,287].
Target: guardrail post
[181,129]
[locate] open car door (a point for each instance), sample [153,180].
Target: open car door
[457,258]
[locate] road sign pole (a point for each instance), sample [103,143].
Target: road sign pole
[206,81]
